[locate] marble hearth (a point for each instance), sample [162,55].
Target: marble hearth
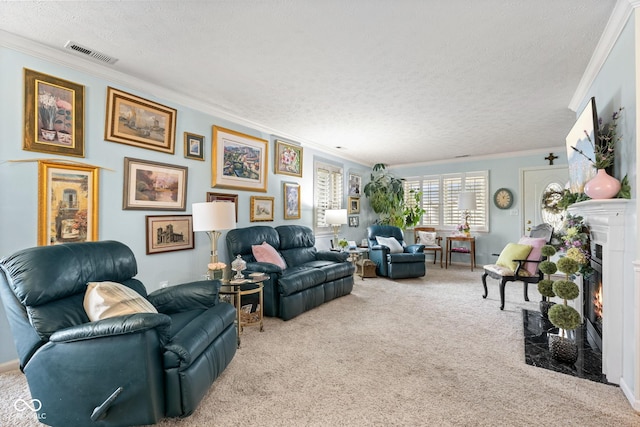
[612,224]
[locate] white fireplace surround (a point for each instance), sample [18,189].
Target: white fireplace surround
[612,224]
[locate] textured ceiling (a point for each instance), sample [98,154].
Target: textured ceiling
[393,81]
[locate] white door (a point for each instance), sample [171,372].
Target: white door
[539,184]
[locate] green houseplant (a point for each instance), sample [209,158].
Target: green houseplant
[387,198]
[563,316]
[545,286]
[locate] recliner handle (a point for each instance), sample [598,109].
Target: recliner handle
[101,411]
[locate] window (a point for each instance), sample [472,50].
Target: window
[440,199]
[328,191]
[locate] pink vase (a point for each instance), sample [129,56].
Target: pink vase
[602,186]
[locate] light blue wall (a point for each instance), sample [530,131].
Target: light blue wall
[19,189]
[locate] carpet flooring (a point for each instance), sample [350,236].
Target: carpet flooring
[413,352]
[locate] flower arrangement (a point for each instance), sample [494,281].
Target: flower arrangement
[607,138]
[574,241]
[343,243]
[463,228]
[217,266]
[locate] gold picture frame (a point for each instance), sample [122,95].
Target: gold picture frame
[136,121]
[193,146]
[262,208]
[53,115]
[291,197]
[354,205]
[224,197]
[154,186]
[288,159]
[238,161]
[67,203]
[169,233]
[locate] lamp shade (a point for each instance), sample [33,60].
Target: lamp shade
[335,216]
[213,216]
[467,201]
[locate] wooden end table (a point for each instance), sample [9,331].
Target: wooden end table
[471,250]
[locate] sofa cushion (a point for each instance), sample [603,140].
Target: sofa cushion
[511,252]
[394,246]
[333,270]
[536,244]
[267,253]
[110,299]
[296,279]
[427,238]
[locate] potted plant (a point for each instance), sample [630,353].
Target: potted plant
[545,286]
[563,316]
[387,198]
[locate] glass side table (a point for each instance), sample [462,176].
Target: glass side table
[235,289]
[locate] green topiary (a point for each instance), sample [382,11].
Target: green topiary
[564,316]
[548,267]
[566,289]
[548,250]
[567,265]
[545,287]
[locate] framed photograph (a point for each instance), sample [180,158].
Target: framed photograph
[584,130]
[167,233]
[238,161]
[53,115]
[291,198]
[354,221]
[354,205]
[139,122]
[67,203]
[224,197]
[261,208]
[154,186]
[355,185]
[193,146]
[288,159]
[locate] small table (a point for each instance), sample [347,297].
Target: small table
[247,286]
[461,249]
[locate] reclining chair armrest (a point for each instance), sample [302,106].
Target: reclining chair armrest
[201,294]
[332,256]
[113,326]
[379,248]
[263,267]
[414,249]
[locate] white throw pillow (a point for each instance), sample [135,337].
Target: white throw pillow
[394,246]
[427,238]
[110,299]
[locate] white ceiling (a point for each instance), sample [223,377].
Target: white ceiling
[393,81]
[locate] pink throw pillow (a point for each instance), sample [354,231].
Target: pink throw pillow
[267,253]
[536,244]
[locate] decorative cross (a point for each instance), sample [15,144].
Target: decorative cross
[551,158]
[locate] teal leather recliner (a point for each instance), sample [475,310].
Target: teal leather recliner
[399,265]
[120,371]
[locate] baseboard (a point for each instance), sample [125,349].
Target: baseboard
[11,365]
[635,403]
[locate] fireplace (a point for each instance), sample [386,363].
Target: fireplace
[592,295]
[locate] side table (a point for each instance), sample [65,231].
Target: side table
[236,288]
[471,250]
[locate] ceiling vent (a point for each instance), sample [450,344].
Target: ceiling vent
[83,50]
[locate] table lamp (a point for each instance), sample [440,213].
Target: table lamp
[335,218]
[466,203]
[213,217]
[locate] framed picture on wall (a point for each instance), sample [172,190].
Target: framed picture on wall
[224,197]
[354,205]
[354,221]
[154,186]
[288,159]
[355,185]
[193,146]
[67,203]
[291,193]
[261,208]
[167,233]
[238,161]
[53,114]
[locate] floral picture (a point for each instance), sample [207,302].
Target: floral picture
[578,141]
[167,233]
[67,203]
[261,208]
[193,146]
[288,159]
[154,186]
[238,161]
[291,200]
[54,110]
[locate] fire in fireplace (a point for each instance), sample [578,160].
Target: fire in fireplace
[593,298]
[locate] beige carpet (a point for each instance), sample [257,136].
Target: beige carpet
[414,352]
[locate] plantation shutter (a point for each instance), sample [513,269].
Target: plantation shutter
[451,188]
[431,201]
[329,191]
[478,184]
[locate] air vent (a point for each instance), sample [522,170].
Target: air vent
[83,50]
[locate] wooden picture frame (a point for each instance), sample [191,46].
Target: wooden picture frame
[169,233]
[262,208]
[224,197]
[136,121]
[193,146]
[67,203]
[53,115]
[288,159]
[355,185]
[291,198]
[238,161]
[354,221]
[354,205]
[154,186]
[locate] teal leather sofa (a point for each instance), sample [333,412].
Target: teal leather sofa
[311,277]
[120,371]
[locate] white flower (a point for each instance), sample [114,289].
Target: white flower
[216,265]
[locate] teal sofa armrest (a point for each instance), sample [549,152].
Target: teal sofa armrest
[187,296]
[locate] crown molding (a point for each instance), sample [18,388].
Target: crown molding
[618,19]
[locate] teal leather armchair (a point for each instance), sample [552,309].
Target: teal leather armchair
[120,371]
